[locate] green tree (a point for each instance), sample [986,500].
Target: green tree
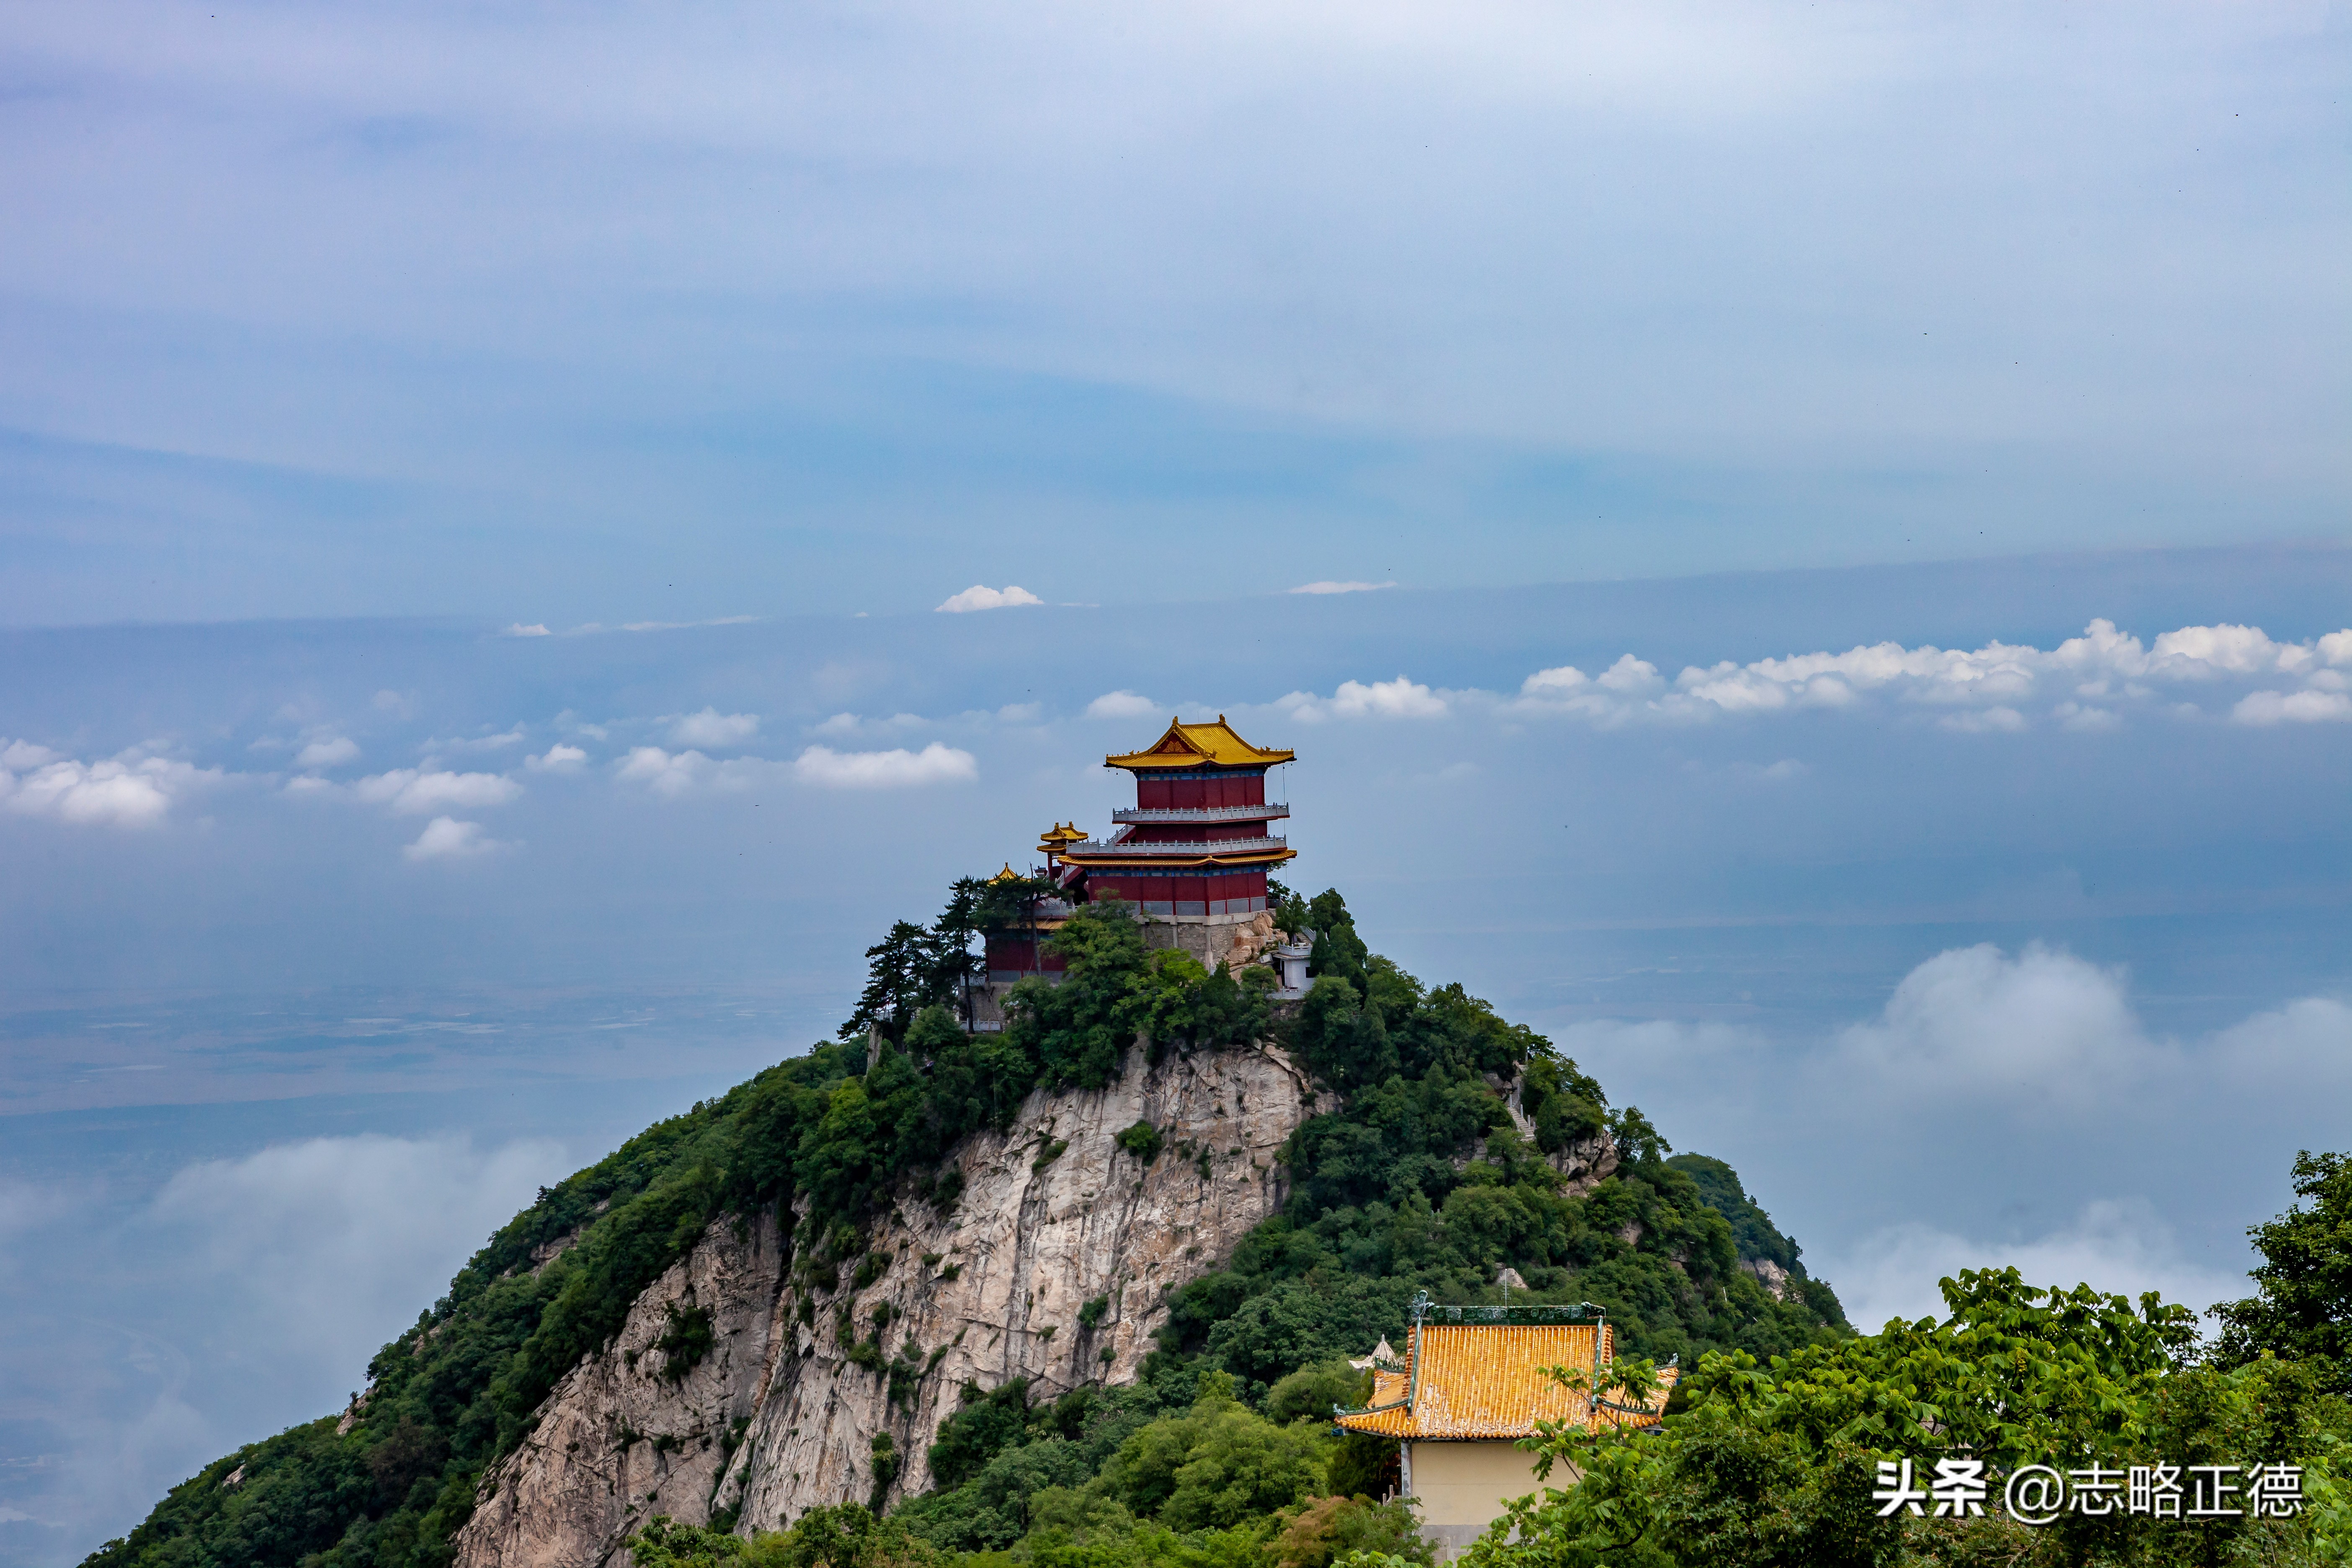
[2302,1306]
[1216,1465]
[1308,1393]
[1338,952]
[902,978]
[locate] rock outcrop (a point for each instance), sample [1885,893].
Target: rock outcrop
[1055,1266]
[1772,1276]
[1586,1161]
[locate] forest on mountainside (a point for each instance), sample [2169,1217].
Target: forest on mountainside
[1414,1175]
[1416,1178]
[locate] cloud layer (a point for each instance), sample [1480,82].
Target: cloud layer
[980,597]
[338,1239]
[896,769]
[135,789]
[411,792]
[2087,683]
[711,730]
[445,838]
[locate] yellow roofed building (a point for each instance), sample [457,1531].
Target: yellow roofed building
[1199,841]
[1471,1385]
[1190,859]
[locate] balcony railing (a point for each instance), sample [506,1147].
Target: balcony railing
[1193,849]
[1150,814]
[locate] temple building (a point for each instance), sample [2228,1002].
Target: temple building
[1472,1383]
[1198,842]
[1192,858]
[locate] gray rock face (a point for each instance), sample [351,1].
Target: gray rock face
[1772,1276]
[1056,1266]
[1586,1161]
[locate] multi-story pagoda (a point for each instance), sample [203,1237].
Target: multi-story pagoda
[1191,857]
[1199,841]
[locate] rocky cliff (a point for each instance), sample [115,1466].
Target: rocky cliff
[740,1386]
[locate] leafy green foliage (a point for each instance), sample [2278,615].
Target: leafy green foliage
[1414,1175]
[2303,1305]
[1213,1467]
[1420,1178]
[1142,1140]
[1112,991]
[1343,1525]
[848,1536]
[1774,1466]
[685,1340]
[1310,1392]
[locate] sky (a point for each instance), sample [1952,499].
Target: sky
[1803,552]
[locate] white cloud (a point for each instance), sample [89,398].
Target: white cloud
[2083,683]
[2264,708]
[1121,704]
[1398,699]
[846,724]
[980,597]
[132,789]
[2122,1247]
[713,729]
[336,1240]
[2044,1025]
[401,705]
[2004,720]
[935,763]
[446,838]
[670,775]
[2075,716]
[2303,1048]
[667,774]
[1020,712]
[411,793]
[1340,587]
[556,759]
[24,1207]
[327,752]
[536,629]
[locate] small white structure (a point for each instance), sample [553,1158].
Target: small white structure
[1290,962]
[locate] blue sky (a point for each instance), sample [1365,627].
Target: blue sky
[637,312]
[1844,512]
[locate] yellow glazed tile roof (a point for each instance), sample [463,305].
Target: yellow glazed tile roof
[1198,746]
[1487,1381]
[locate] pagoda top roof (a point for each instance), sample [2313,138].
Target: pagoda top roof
[1063,833]
[1198,746]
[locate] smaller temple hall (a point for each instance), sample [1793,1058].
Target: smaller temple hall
[1473,1382]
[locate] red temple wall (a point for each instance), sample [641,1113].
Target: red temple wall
[1013,954]
[1222,888]
[1229,789]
